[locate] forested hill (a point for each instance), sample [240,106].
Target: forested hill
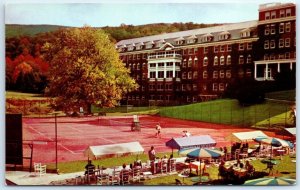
[117,33]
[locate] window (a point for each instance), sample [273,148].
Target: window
[282,13]
[266,57]
[161,64]
[267,15]
[221,86]
[149,46]
[248,72]
[195,87]
[249,46]
[216,60]
[228,60]
[190,62]
[215,74]
[177,64]
[152,97]
[266,44]
[288,12]
[205,61]
[160,74]
[228,73]
[272,44]
[151,87]
[160,87]
[287,27]
[222,48]
[188,99]
[204,74]
[195,75]
[190,75]
[222,60]
[273,14]
[204,87]
[196,62]
[281,27]
[287,42]
[215,86]
[184,63]
[229,48]
[169,74]
[267,29]
[190,41]
[249,59]
[194,98]
[273,29]
[222,73]
[272,56]
[191,51]
[281,56]
[241,47]
[216,49]
[130,48]
[184,75]
[241,59]
[241,73]
[152,65]
[152,75]
[205,49]
[183,87]
[138,67]
[138,56]
[281,43]
[177,74]
[287,55]
[144,76]
[169,64]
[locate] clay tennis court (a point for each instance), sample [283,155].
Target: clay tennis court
[76,134]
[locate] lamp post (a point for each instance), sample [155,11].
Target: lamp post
[55,117]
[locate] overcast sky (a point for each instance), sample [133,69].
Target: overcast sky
[96,14]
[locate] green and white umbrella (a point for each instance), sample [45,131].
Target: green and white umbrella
[271,181]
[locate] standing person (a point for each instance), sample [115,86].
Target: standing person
[158,131]
[151,154]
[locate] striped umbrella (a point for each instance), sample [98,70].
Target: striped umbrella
[201,153]
[274,141]
[271,181]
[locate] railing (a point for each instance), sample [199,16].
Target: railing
[158,56]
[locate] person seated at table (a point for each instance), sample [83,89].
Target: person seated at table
[89,168]
[222,169]
[124,173]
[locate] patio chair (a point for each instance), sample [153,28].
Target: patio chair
[136,174]
[172,165]
[125,177]
[164,166]
[114,179]
[90,174]
[39,169]
[103,180]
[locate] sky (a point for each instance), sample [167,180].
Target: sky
[114,14]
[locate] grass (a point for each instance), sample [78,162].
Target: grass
[276,122]
[288,95]
[21,95]
[225,111]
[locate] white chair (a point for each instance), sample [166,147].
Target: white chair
[125,177]
[115,178]
[136,174]
[39,169]
[164,166]
[172,165]
[103,180]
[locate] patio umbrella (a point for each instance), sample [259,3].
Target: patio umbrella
[277,142]
[201,153]
[271,181]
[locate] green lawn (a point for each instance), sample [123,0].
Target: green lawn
[226,111]
[289,95]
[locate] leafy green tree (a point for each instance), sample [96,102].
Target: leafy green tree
[85,69]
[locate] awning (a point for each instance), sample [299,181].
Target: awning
[203,141]
[245,136]
[113,150]
[291,130]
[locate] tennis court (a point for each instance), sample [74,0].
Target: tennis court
[76,134]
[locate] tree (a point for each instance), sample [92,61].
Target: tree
[85,69]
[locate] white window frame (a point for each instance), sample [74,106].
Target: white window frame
[216,60]
[221,86]
[222,74]
[215,86]
[216,49]
[205,50]
[273,29]
[281,43]
[249,59]
[282,13]
[272,44]
[222,60]
[228,60]
[229,47]
[228,73]
[287,42]
[267,15]
[241,59]
[241,47]
[204,75]
[281,28]
[266,44]
[205,61]
[288,12]
[273,14]
[288,27]
[215,74]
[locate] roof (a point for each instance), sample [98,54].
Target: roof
[191,142]
[246,136]
[291,130]
[113,150]
[216,30]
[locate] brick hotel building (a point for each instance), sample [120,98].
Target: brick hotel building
[197,65]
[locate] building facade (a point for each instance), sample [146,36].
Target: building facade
[197,65]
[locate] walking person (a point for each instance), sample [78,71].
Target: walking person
[158,131]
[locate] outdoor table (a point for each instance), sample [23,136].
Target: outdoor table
[240,172]
[196,165]
[243,155]
[183,176]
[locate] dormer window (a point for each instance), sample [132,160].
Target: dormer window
[149,45]
[288,12]
[245,33]
[207,38]
[224,35]
[139,46]
[130,48]
[267,15]
[179,41]
[159,43]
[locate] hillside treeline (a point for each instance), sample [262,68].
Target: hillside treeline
[26,71]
